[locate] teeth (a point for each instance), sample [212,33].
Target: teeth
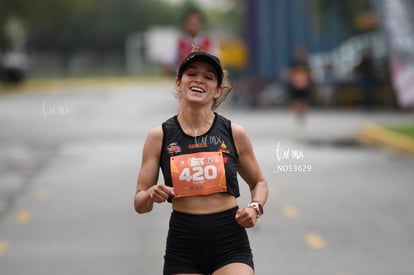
[198,90]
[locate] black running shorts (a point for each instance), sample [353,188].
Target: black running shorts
[202,244]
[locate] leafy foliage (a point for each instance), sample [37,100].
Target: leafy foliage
[71,25]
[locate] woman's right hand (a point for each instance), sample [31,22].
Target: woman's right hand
[160,193]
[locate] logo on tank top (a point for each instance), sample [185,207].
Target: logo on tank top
[199,142]
[223,148]
[174,148]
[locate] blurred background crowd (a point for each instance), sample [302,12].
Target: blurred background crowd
[359,54]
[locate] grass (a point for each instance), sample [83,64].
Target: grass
[406,130]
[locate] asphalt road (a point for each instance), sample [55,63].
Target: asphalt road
[69,158]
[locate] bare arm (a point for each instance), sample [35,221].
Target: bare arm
[148,191]
[250,171]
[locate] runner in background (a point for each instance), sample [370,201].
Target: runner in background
[192,23]
[368,78]
[299,87]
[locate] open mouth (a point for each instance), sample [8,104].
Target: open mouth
[197,90]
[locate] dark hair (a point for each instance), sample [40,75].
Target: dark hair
[192,11]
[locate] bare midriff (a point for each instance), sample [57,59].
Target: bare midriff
[204,204]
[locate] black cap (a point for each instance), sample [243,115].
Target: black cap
[200,56]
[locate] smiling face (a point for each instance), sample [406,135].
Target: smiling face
[198,84]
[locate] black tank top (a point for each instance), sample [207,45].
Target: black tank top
[219,138]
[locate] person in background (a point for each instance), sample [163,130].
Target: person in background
[200,153]
[368,78]
[192,23]
[299,87]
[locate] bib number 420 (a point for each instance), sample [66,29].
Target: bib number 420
[198,173]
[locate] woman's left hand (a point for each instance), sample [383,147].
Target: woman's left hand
[246,217]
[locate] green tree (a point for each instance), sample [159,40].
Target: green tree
[70,25]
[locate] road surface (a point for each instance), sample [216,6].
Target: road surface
[69,158]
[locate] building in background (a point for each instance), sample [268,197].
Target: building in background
[275,29]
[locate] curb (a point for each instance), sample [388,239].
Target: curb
[33,85]
[372,134]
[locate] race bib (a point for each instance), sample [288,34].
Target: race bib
[198,174]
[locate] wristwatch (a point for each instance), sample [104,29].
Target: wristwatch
[256,206]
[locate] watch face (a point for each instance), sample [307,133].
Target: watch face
[259,207]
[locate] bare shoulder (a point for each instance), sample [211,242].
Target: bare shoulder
[154,137]
[239,133]
[155,133]
[241,139]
